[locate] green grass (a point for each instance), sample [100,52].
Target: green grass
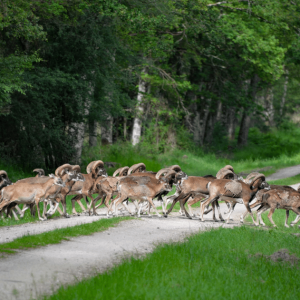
[59,235]
[279,219]
[193,164]
[217,264]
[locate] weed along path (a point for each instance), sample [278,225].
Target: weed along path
[31,273]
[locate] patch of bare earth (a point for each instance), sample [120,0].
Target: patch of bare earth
[281,255]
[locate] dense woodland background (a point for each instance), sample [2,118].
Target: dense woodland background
[78,75]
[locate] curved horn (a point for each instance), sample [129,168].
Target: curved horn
[97,164]
[228,167]
[251,175]
[89,167]
[60,170]
[2,172]
[76,168]
[124,171]
[40,172]
[225,174]
[259,176]
[170,172]
[117,172]
[176,168]
[133,168]
[160,172]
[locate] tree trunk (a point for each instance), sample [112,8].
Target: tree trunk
[93,133]
[269,112]
[244,130]
[219,111]
[125,129]
[79,129]
[137,123]
[197,128]
[210,128]
[231,123]
[285,86]
[107,132]
[245,122]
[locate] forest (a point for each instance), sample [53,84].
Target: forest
[156,74]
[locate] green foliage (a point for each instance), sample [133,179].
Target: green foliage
[273,144]
[70,62]
[200,268]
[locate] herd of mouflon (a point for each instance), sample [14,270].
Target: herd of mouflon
[141,187]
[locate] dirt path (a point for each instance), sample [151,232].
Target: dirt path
[285,173]
[34,272]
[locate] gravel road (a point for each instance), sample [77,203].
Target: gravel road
[40,271]
[285,173]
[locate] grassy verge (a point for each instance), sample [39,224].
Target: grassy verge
[279,219]
[58,235]
[198,164]
[217,264]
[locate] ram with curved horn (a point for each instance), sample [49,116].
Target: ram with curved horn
[190,191]
[84,188]
[66,172]
[234,191]
[280,199]
[108,186]
[258,201]
[60,196]
[194,189]
[141,189]
[27,193]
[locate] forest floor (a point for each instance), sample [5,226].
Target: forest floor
[32,273]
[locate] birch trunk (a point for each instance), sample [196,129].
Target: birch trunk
[137,123]
[285,86]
